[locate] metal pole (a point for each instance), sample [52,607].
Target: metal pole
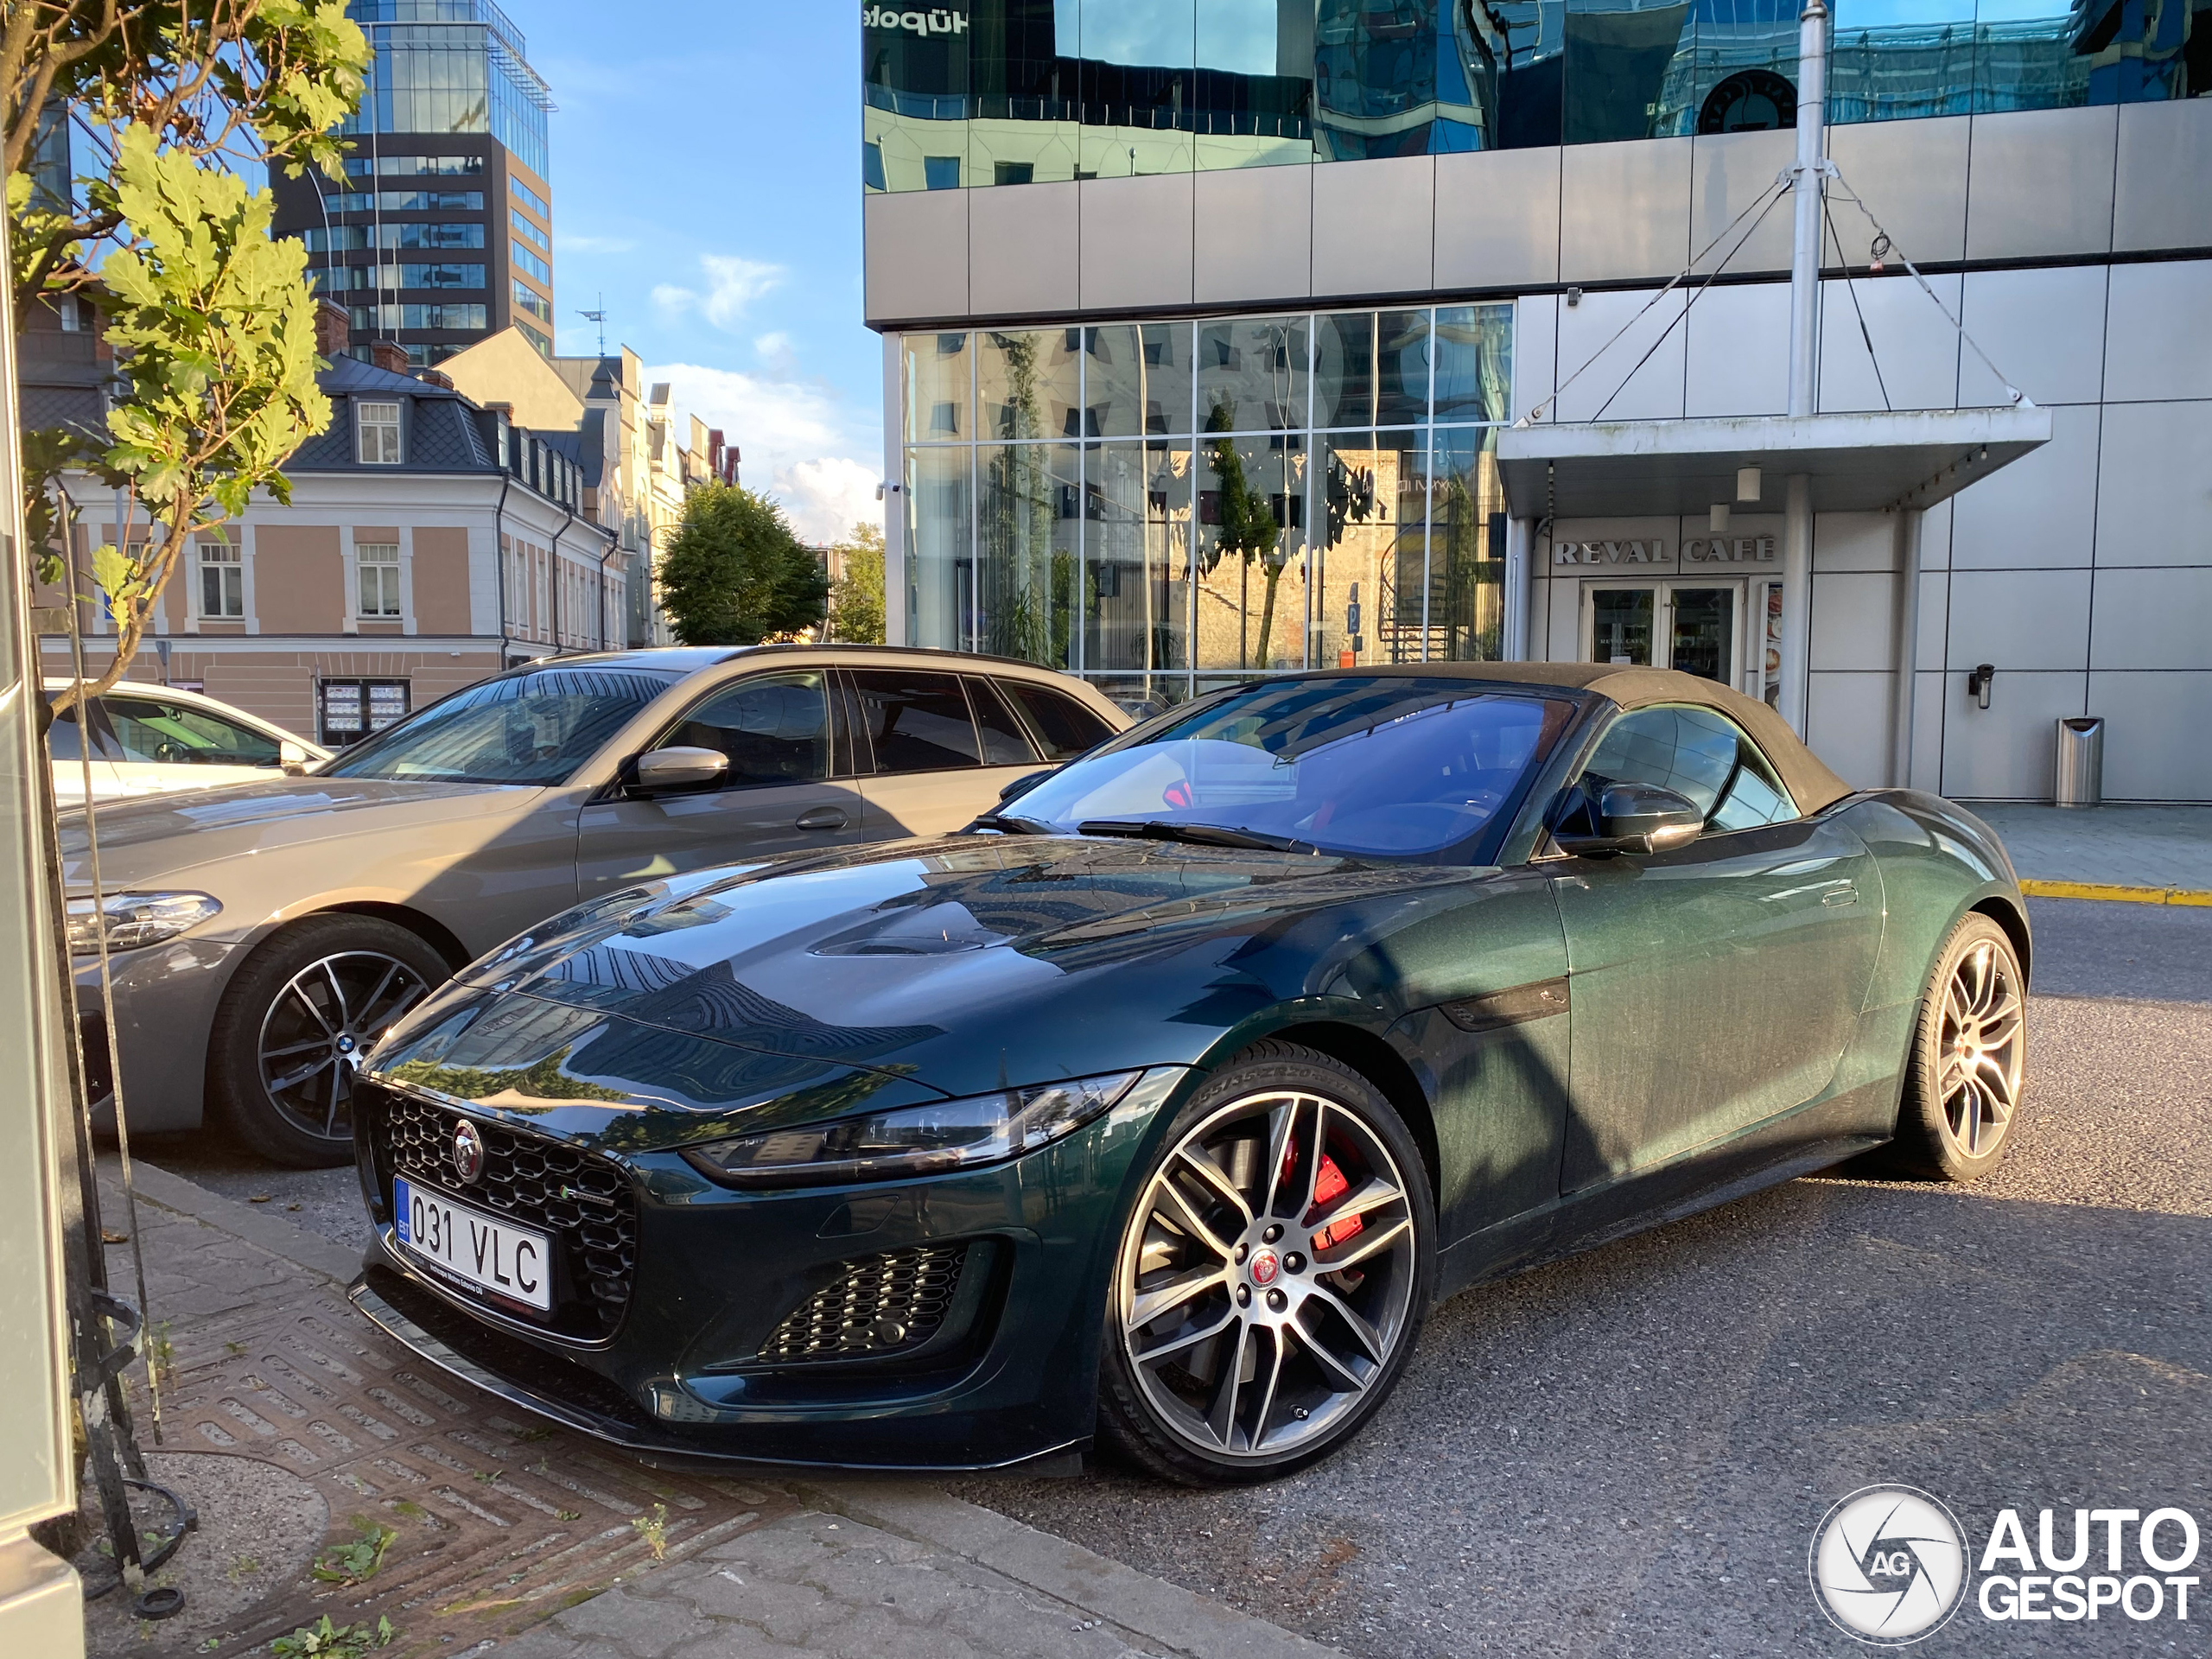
[1811,171]
[1908,659]
[1811,176]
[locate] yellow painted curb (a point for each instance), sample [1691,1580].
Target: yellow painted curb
[2117,895]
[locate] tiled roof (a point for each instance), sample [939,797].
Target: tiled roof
[444,433]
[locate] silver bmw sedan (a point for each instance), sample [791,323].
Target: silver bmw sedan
[261,936]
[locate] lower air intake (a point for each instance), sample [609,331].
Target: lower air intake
[879,1304]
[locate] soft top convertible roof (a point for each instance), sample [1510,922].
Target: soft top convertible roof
[1811,784]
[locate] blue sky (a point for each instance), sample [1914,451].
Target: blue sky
[706,182]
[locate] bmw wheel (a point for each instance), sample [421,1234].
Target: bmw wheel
[1969,1058]
[1273,1275]
[295,1022]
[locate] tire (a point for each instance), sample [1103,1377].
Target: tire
[1968,1065]
[295,1022]
[1325,1344]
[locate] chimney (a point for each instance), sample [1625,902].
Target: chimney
[334,327]
[388,354]
[434,378]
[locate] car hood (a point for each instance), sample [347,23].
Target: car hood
[145,838]
[946,967]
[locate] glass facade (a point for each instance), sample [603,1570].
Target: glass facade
[1163,505]
[451,65]
[1016,92]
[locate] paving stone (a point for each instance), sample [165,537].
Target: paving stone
[500,1517]
[639,1628]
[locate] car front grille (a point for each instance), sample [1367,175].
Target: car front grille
[584,1202]
[884,1304]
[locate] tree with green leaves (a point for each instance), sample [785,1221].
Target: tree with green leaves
[856,598]
[1247,523]
[735,574]
[211,321]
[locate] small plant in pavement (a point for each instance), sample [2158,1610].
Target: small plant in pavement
[349,1563]
[324,1640]
[653,1529]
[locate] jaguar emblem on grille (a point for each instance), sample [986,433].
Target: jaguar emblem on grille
[468,1152]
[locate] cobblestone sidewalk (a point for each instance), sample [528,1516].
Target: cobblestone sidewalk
[267,1360]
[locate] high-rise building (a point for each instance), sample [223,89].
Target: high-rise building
[442,232]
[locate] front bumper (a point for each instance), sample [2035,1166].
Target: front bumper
[165,996]
[697,1364]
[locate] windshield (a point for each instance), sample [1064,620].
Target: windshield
[521,728]
[1379,766]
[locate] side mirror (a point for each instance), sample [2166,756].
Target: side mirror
[1024,784]
[1627,818]
[663,770]
[292,759]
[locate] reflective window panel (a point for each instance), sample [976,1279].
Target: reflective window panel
[1076,519]
[1137,525]
[1028,383]
[1252,374]
[1020,92]
[1027,508]
[1371,560]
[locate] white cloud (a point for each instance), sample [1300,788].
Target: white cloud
[733,283]
[795,440]
[826,498]
[775,353]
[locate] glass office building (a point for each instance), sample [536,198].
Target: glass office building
[443,232]
[1201,320]
[1021,91]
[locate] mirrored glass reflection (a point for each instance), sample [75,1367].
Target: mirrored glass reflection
[1370,547]
[1372,368]
[1027,512]
[1137,563]
[1028,383]
[1251,599]
[1252,374]
[940,547]
[938,394]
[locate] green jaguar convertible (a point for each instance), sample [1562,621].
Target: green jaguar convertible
[1160,1105]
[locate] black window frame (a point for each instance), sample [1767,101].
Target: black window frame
[980,685]
[865,738]
[1743,740]
[832,690]
[1003,683]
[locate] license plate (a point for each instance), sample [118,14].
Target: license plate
[488,1252]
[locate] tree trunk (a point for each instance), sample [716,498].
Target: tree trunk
[1267,612]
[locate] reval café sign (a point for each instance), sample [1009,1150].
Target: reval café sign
[1652,550]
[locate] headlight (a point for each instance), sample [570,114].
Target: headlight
[134,920]
[914,1141]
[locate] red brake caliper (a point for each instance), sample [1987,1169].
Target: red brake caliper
[1328,1187]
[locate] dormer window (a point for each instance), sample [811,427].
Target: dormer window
[378,426]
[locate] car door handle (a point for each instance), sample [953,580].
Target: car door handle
[822,817]
[1843,893]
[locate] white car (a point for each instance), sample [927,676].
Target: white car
[148,740]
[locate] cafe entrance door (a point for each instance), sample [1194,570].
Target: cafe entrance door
[1695,624]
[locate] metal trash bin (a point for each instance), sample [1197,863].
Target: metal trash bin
[2080,779]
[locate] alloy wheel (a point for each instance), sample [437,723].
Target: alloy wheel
[1979,1048]
[1267,1276]
[318,1027]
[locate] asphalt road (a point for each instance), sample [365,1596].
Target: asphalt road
[1626,1453]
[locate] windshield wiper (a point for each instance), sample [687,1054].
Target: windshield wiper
[1198,835]
[1008,823]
